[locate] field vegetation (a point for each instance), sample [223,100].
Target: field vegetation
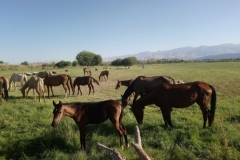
[26,132]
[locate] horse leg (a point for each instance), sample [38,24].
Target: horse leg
[92,88]
[52,91]
[117,125]
[89,87]
[38,92]
[68,90]
[80,90]
[82,137]
[135,97]
[124,131]
[65,88]
[205,113]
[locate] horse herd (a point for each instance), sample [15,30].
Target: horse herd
[163,91]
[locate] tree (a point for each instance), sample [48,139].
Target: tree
[117,62]
[63,64]
[1,62]
[24,63]
[74,63]
[86,58]
[129,61]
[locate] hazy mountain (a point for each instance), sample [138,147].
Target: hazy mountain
[185,53]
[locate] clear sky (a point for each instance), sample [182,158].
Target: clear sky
[52,30]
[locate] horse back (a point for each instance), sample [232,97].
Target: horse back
[94,113]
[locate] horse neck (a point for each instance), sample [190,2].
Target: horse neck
[26,85]
[128,92]
[69,110]
[125,83]
[145,100]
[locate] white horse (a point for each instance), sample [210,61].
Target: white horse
[21,77]
[35,83]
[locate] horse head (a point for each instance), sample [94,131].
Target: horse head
[57,113]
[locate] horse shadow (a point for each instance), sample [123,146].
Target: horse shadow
[234,119]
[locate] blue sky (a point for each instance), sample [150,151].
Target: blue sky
[43,30]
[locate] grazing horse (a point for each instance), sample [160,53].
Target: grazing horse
[103,74]
[35,83]
[91,113]
[142,85]
[87,70]
[44,74]
[61,79]
[166,96]
[84,81]
[17,78]
[4,87]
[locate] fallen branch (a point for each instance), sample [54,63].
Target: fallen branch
[113,153]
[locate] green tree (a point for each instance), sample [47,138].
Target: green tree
[1,62]
[24,63]
[129,61]
[74,63]
[63,64]
[117,62]
[86,58]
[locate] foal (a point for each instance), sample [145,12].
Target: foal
[91,113]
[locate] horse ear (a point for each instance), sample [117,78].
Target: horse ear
[121,95]
[54,103]
[60,102]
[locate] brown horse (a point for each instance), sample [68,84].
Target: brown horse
[4,84]
[91,113]
[35,83]
[87,70]
[104,74]
[61,79]
[44,74]
[123,83]
[142,85]
[166,96]
[88,80]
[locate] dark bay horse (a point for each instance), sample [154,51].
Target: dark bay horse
[88,80]
[4,84]
[87,70]
[142,85]
[61,79]
[104,74]
[168,96]
[91,113]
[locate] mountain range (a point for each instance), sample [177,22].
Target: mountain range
[226,51]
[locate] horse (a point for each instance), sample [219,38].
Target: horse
[4,87]
[103,74]
[17,78]
[35,83]
[142,85]
[84,81]
[91,113]
[87,70]
[44,74]
[123,83]
[61,79]
[168,96]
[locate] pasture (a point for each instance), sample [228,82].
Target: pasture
[26,132]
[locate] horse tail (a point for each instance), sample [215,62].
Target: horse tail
[70,80]
[213,105]
[95,81]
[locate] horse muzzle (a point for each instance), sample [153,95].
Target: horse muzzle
[54,124]
[140,122]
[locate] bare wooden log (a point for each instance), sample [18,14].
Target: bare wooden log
[113,153]
[137,136]
[141,153]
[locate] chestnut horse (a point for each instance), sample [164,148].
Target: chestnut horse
[35,83]
[166,96]
[87,70]
[142,85]
[4,85]
[61,79]
[104,74]
[123,83]
[88,80]
[91,113]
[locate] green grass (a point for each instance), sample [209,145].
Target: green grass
[26,132]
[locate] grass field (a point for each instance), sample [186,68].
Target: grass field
[26,132]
